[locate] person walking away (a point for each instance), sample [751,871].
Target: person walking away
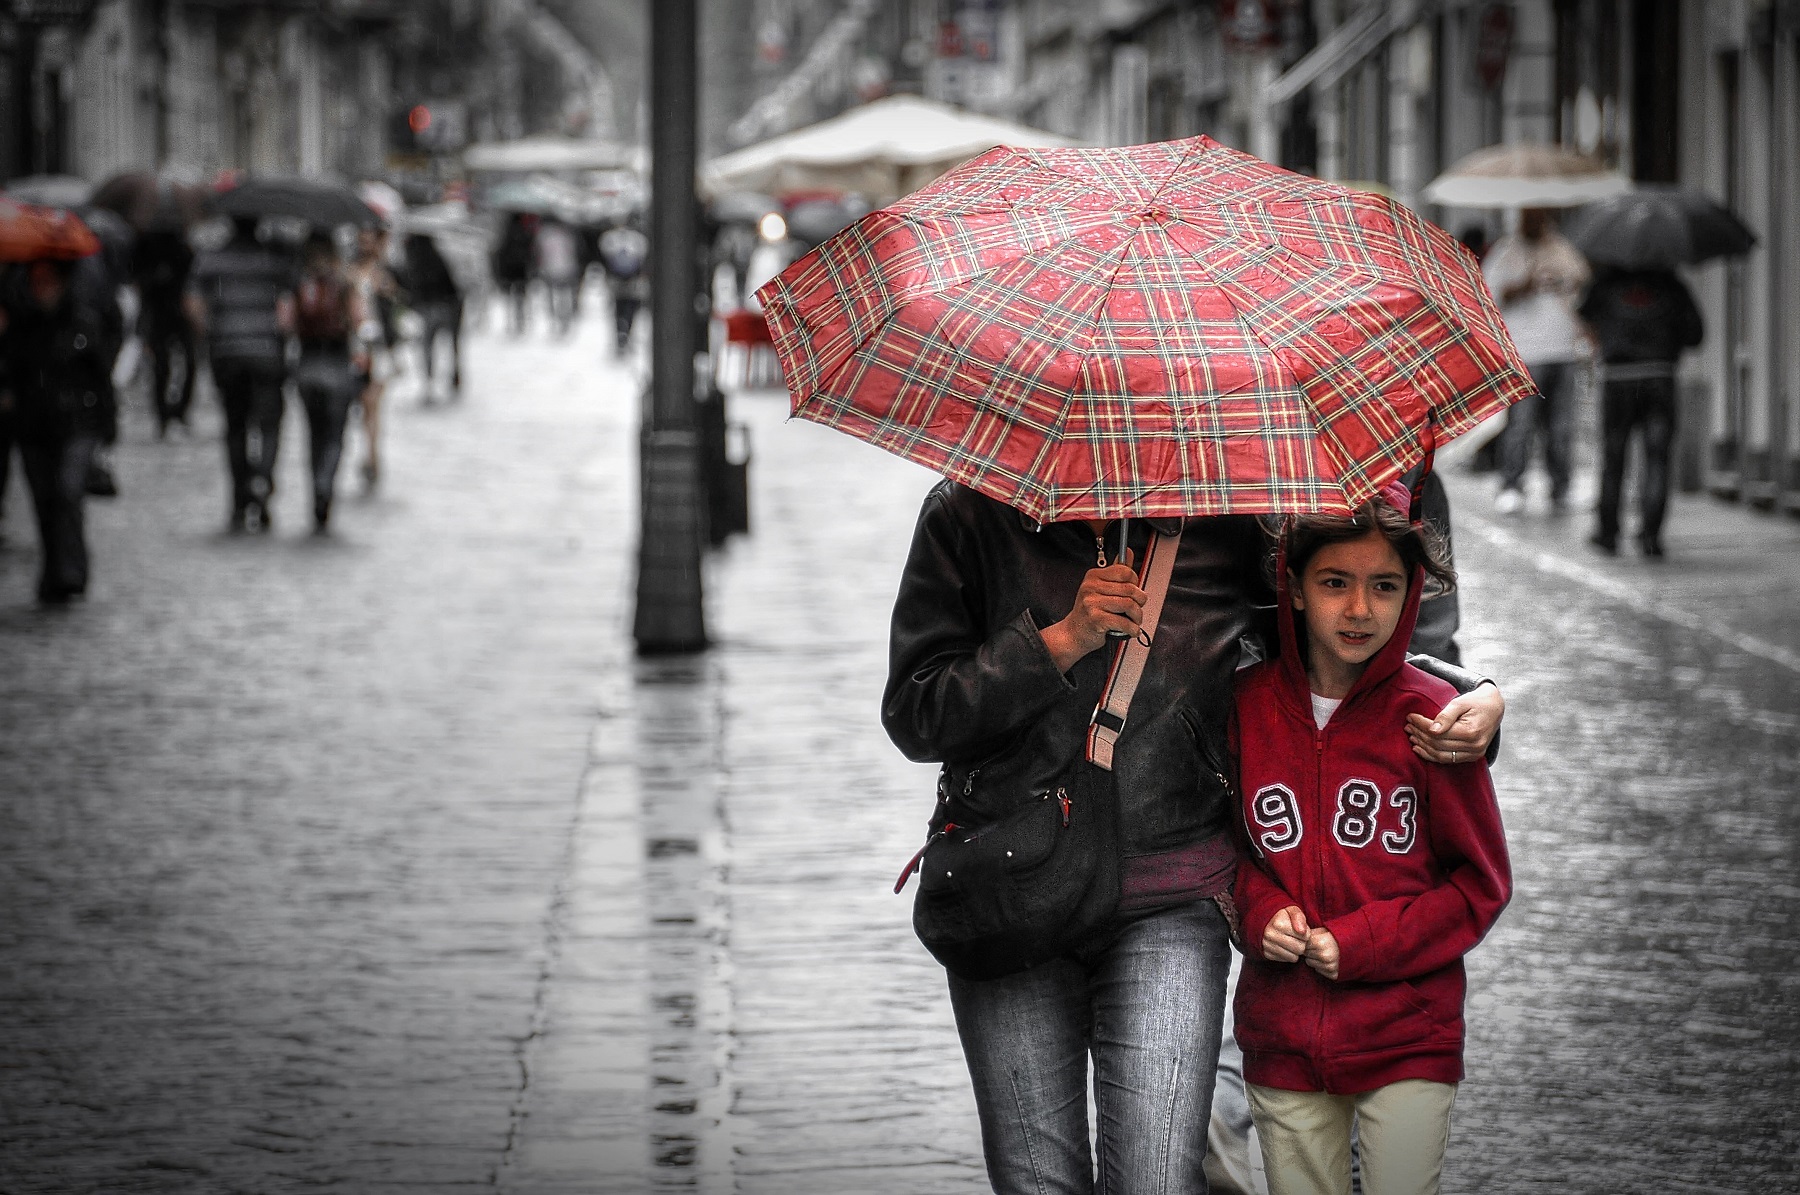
[161,261]
[325,316]
[624,252]
[240,297]
[57,366]
[995,669]
[1368,873]
[439,302]
[559,265]
[1643,319]
[512,267]
[1537,275]
[377,295]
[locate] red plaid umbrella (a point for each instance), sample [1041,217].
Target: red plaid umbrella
[1163,329]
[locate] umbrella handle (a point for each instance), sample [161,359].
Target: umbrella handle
[1124,534]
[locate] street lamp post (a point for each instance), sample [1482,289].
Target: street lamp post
[670,616]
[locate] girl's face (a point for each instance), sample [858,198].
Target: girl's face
[1352,596]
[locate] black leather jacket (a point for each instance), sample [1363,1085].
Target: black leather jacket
[972,686]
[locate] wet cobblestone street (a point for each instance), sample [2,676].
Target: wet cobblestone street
[380,863]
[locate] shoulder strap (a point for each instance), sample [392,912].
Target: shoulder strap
[1108,721]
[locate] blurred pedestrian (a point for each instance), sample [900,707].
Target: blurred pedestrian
[512,267]
[1537,275]
[161,261]
[559,268]
[240,298]
[432,291]
[377,294]
[1642,319]
[326,314]
[57,365]
[625,252]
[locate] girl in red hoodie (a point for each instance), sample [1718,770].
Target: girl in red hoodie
[1369,872]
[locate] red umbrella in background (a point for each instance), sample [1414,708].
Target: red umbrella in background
[1168,329]
[29,233]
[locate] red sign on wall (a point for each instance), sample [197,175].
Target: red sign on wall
[1493,44]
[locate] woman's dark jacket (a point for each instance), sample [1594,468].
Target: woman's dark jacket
[972,686]
[57,366]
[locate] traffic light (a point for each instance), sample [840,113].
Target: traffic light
[430,127]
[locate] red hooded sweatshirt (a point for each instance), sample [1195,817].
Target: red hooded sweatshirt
[1403,861]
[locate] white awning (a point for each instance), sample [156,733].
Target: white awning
[1340,52]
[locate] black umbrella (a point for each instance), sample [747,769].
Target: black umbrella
[152,202]
[1657,227]
[319,202]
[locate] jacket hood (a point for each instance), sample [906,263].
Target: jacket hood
[1292,626]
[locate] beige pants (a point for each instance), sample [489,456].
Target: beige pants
[1403,1129]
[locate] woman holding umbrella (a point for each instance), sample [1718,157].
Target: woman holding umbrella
[1180,334]
[54,365]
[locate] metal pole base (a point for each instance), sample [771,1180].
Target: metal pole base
[669,617]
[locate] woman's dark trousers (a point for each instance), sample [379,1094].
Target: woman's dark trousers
[250,391]
[1551,413]
[441,316]
[1148,1006]
[56,470]
[327,388]
[1649,404]
[165,328]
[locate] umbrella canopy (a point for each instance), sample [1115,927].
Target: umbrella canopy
[1170,329]
[1658,227]
[51,190]
[1525,176]
[741,207]
[882,149]
[550,151]
[384,200]
[319,202]
[32,233]
[151,202]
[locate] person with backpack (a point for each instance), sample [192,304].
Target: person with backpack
[241,298]
[1643,320]
[325,316]
[1369,871]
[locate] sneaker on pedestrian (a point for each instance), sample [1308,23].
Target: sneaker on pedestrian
[1509,501]
[1651,546]
[321,515]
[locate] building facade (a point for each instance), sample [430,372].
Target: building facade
[195,87]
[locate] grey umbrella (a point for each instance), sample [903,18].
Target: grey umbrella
[1656,227]
[51,190]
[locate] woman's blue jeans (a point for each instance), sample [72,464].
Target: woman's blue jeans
[1148,1007]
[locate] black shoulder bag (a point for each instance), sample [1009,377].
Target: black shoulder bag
[1040,880]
